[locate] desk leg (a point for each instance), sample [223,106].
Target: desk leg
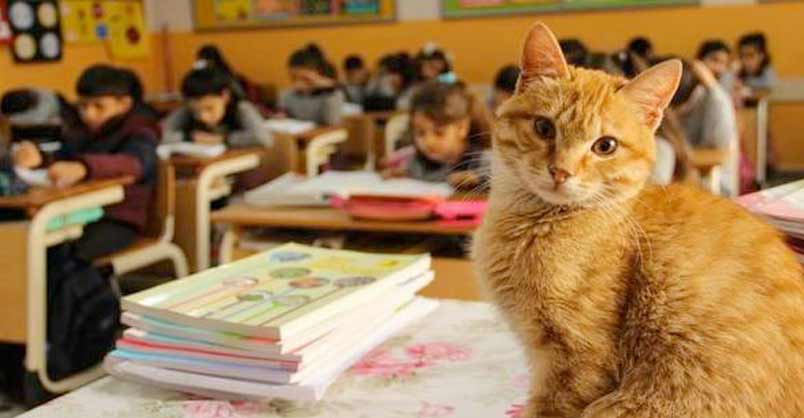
[185,232]
[36,354]
[762,142]
[228,244]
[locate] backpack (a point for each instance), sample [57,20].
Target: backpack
[83,314]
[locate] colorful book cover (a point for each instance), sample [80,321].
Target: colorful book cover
[277,292]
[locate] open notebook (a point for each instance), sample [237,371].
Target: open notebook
[297,190]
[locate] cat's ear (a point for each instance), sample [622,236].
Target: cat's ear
[541,57]
[652,90]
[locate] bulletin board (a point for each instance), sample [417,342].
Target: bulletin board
[234,14]
[119,24]
[476,8]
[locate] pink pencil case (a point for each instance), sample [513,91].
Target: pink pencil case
[454,210]
[382,208]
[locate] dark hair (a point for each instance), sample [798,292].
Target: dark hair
[17,101]
[641,46]
[507,78]
[711,46]
[760,42]
[433,54]
[204,82]
[213,56]
[310,57]
[135,85]
[446,103]
[603,62]
[353,62]
[103,80]
[574,51]
[401,64]
[686,85]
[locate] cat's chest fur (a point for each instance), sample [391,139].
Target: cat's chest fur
[558,276]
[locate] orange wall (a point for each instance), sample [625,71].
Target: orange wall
[61,76]
[481,46]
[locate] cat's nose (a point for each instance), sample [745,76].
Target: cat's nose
[559,175]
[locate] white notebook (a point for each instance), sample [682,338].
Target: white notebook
[190,149]
[289,126]
[296,190]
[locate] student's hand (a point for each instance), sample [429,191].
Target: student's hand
[315,80]
[67,173]
[463,179]
[393,172]
[703,73]
[27,155]
[206,138]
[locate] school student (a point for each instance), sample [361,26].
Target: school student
[707,114]
[575,52]
[449,133]
[395,73]
[432,64]
[113,142]
[756,71]
[504,85]
[314,96]
[356,78]
[716,55]
[212,114]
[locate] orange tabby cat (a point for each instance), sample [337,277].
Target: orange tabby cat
[631,300]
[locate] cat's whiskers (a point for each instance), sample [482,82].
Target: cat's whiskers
[634,226]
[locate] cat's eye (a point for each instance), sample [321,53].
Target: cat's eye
[544,127]
[605,146]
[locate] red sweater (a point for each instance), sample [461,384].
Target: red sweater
[124,146]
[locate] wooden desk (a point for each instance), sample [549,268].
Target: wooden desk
[454,277]
[301,142]
[23,290]
[704,159]
[194,194]
[38,197]
[327,219]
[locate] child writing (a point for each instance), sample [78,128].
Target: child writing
[213,115]
[113,142]
[314,96]
[449,131]
[707,115]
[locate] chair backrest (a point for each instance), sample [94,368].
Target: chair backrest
[360,143]
[282,157]
[161,212]
[395,130]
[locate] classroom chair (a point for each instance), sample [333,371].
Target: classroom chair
[321,148]
[157,244]
[394,131]
[359,146]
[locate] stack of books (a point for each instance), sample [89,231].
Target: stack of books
[782,207]
[280,324]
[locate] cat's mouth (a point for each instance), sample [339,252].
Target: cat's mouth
[571,193]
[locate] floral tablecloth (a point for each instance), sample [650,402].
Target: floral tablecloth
[460,361]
